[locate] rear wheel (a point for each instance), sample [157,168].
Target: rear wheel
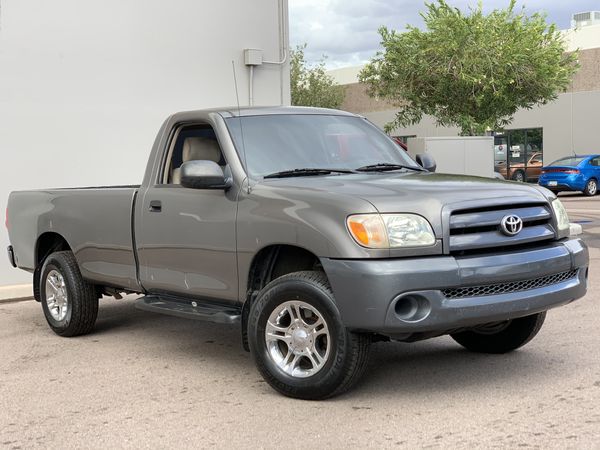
[502,337]
[591,187]
[69,302]
[299,342]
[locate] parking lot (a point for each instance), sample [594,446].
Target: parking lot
[146,380]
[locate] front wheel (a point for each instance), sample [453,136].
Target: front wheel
[591,187]
[298,341]
[69,302]
[519,176]
[501,337]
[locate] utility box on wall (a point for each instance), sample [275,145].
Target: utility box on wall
[472,155]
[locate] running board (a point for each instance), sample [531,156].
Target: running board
[190,309]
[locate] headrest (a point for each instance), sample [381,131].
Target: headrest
[201,148]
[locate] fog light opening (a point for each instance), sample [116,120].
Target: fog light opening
[412,308]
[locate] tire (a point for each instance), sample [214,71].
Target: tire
[591,187]
[519,176]
[514,334]
[338,357]
[71,306]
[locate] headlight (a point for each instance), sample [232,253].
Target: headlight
[390,230]
[562,218]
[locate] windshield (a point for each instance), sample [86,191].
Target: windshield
[275,143]
[570,161]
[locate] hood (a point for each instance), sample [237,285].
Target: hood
[422,193]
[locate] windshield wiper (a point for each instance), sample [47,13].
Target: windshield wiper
[382,167]
[306,172]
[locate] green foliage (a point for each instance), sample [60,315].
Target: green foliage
[473,71]
[311,86]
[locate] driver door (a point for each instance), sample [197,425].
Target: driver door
[186,237]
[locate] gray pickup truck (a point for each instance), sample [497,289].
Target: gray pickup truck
[311,230]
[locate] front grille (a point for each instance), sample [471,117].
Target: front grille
[506,288]
[475,229]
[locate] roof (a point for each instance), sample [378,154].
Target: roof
[245,111]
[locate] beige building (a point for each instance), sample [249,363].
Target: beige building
[571,124]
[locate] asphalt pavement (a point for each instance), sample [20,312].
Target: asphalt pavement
[143,380]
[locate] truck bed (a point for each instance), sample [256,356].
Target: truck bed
[96,222]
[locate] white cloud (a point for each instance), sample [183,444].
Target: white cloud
[346,30]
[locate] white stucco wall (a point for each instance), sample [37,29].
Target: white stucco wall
[85,85]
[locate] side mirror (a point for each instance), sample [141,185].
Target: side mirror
[202,174]
[426,161]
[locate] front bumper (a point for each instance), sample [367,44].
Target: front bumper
[382,295]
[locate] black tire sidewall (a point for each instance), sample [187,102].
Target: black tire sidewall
[53,263]
[82,296]
[518,333]
[327,379]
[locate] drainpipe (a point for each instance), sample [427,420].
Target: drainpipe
[254,57]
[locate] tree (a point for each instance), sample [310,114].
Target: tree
[312,86]
[473,71]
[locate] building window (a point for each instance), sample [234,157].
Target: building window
[519,154]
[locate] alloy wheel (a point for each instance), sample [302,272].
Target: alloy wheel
[298,339]
[56,295]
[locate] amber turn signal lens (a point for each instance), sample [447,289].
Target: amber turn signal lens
[359,232]
[368,230]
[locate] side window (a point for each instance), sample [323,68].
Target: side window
[195,142]
[595,161]
[537,159]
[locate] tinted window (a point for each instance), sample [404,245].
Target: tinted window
[274,143]
[570,161]
[537,158]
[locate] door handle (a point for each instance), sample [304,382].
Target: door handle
[155,206]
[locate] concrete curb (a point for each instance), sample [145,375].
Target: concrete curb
[16,293]
[4,301]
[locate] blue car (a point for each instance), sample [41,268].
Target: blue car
[572,173]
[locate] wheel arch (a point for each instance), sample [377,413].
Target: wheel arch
[270,263]
[46,244]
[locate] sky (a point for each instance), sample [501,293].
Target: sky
[346,30]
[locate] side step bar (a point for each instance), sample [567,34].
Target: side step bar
[190,309]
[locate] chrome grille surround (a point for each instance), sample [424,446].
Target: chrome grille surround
[508,287]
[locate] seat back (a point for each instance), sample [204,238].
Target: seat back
[201,148]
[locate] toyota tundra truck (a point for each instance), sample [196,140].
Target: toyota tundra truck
[314,233]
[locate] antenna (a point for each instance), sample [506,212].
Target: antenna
[237,98]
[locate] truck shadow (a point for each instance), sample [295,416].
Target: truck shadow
[442,366]
[396,369]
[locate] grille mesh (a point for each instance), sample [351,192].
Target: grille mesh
[504,288]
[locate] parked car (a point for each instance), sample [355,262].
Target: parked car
[520,171]
[401,144]
[308,229]
[572,173]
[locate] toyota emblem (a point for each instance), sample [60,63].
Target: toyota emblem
[511,225]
